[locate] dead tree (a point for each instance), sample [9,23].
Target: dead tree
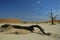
[31,28]
[52,17]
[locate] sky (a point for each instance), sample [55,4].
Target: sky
[29,10]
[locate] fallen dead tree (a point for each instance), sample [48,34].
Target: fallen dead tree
[17,27]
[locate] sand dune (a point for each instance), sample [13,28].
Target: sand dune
[10,20]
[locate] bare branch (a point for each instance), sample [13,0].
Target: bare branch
[55,16]
[49,16]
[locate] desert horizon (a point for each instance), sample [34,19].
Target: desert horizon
[14,20]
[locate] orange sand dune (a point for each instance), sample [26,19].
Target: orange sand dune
[10,21]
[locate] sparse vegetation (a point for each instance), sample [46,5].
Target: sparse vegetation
[24,22]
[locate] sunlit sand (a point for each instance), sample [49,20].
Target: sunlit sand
[53,29]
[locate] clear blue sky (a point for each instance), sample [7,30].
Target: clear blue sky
[29,10]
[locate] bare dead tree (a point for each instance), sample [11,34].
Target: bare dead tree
[52,17]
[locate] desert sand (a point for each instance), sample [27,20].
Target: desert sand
[53,29]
